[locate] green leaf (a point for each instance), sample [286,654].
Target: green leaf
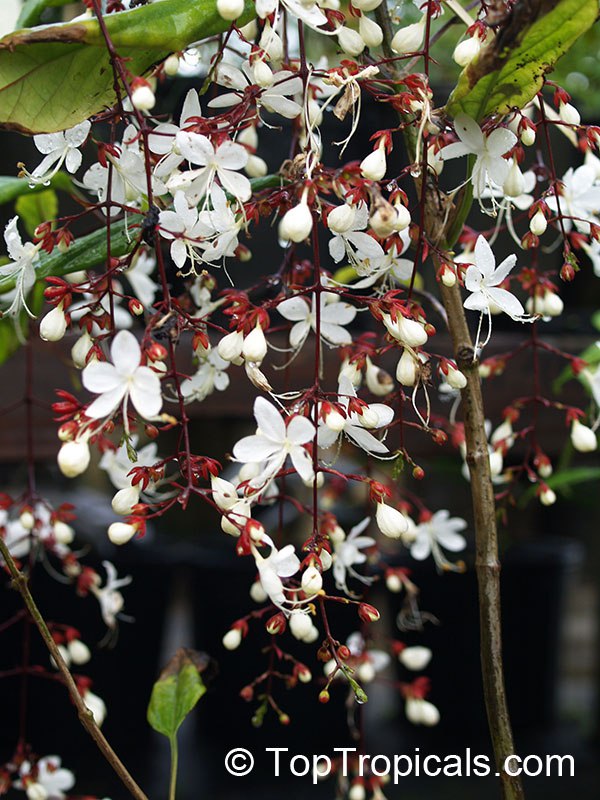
[510,70]
[177,691]
[37,207]
[11,188]
[13,331]
[591,355]
[32,11]
[55,76]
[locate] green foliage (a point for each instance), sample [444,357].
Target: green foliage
[12,188]
[55,76]
[32,11]
[36,207]
[508,73]
[176,692]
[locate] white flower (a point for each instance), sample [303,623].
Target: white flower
[277,565]
[186,230]
[347,553]
[579,198]
[110,598]
[583,438]
[306,10]
[221,162]
[96,705]
[21,269]
[489,164]
[223,227]
[441,530]
[48,774]
[122,380]
[333,315]
[354,424]
[482,279]
[162,140]
[59,148]
[391,522]
[274,441]
[421,712]
[274,98]
[209,376]
[415,658]
[353,243]
[138,275]
[117,464]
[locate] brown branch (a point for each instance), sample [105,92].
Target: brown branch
[19,582]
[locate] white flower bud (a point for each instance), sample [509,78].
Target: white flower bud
[374,166]
[351,370]
[383,219]
[366,5]
[230,9]
[230,346]
[297,223]
[312,635]
[410,38]
[350,41]
[455,378]
[124,500]
[80,349]
[528,136]
[538,223]
[79,652]
[271,43]
[406,371]
[390,521]
[466,51]
[121,532]
[96,705]
[552,304]
[366,672]
[305,676]
[257,593]
[262,73]
[223,493]
[368,417]
[27,520]
[402,220]
[547,497]
[569,114]
[315,113]
[248,137]
[300,625]
[421,712]
[64,655]
[254,348]
[256,167]
[239,513]
[434,160]
[583,438]
[415,658]
[341,218]
[326,559]
[319,479]
[232,639]
[63,533]
[545,469]
[514,185]
[371,33]
[53,325]
[143,98]
[73,458]
[357,792]
[393,583]
[503,433]
[171,65]
[312,580]
[334,420]
[412,333]
[35,791]
[378,381]
[496,463]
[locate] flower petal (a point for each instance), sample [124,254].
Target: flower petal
[100,376]
[269,420]
[125,353]
[106,403]
[145,392]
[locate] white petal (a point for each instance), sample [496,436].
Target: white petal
[125,352]
[484,257]
[469,132]
[364,439]
[145,392]
[295,309]
[106,403]
[335,334]
[421,548]
[507,302]
[195,147]
[100,376]
[237,185]
[300,430]
[303,463]
[253,449]
[500,141]
[269,420]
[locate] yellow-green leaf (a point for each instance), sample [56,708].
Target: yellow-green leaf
[510,70]
[177,691]
[55,76]
[37,207]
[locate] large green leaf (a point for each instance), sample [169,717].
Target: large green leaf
[177,691]
[55,76]
[510,70]
[35,208]
[12,188]
[33,9]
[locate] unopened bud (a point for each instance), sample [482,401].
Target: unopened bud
[121,532]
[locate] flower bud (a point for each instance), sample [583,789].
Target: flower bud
[80,350]
[538,223]
[53,325]
[466,51]
[341,218]
[374,166]
[254,348]
[366,5]
[496,463]
[79,652]
[256,167]
[393,583]
[171,65]
[357,792]
[230,9]
[528,136]
[300,625]
[96,705]
[569,114]
[230,346]
[378,381]
[262,73]
[408,331]
[73,458]
[368,417]
[415,658]
[547,497]
[370,32]
[297,223]
[421,712]
[390,521]
[552,304]
[257,593]
[455,378]
[232,639]
[366,672]
[410,38]
[224,493]
[406,371]
[304,674]
[383,219]
[35,791]
[63,533]
[248,137]
[368,613]
[239,514]
[351,370]
[27,520]
[312,580]
[142,97]
[124,500]
[334,420]
[514,185]
[350,41]
[121,532]
[271,43]
[583,438]
[403,218]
